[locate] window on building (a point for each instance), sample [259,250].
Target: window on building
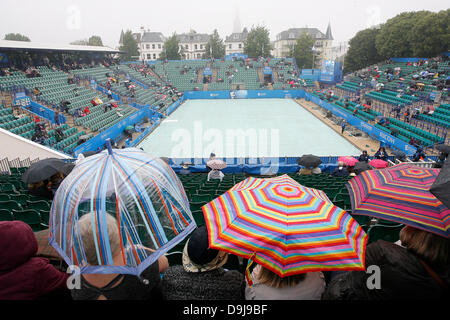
[291,36]
[159,46]
[201,47]
[186,47]
[149,56]
[240,45]
[195,47]
[147,46]
[154,56]
[230,46]
[199,55]
[153,46]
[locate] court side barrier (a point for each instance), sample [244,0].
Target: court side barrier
[113,132]
[244,94]
[44,112]
[389,140]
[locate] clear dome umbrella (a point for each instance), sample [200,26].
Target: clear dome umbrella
[142,195]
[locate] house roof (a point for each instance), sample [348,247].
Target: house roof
[152,37]
[294,33]
[237,37]
[193,37]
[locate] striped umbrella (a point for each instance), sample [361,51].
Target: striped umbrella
[140,192]
[285,227]
[349,161]
[401,194]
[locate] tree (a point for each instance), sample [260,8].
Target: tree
[430,35]
[214,45]
[95,41]
[394,38]
[171,49]
[303,52]
[82,42]
[257,43]
[129,47]
[362,51]
[17,37]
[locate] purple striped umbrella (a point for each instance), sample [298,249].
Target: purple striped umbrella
[216,164]
[400,194]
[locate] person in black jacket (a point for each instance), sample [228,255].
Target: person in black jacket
[419,268]
[381,154]
[364,157]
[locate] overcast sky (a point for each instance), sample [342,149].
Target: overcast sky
[64,21]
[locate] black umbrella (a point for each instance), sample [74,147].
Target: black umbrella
[361,167]
[309,161]
[399,154]
[42,170]
[441,186]
[443,148]
[67,169]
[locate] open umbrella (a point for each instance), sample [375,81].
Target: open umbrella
[441,186]
[285,227]
[399,154]
[443,148]
[349,161]
[143,196]
[361,167]
[42,170]
[309,161]
[216,164]
[400,194]
[378,163]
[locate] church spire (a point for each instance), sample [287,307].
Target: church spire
[329,35]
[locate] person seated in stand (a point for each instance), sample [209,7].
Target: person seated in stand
[185,170]
[115,286]
[364,157]
[23,275]
[86,110]
[202,276]
[419,155]
[416,267]
[341,170]
[267,285]
[381,154]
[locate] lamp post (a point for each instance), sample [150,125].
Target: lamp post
[313,52]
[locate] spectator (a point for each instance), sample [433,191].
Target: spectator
[201,277]
[40,189]
[416,267]
[381,154]
[419,155]
[267,285]
[215,174]
[316,170]
[86,110]
[185,170]
[343,125]
[341,170]
[305,172]
[115,286]
[57,122]
[23,276]
[364,157]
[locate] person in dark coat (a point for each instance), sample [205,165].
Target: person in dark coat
[364,157]
[381,154]
[201,277]
[340,171]
[23,276]
[417,267]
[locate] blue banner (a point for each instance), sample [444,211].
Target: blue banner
[44,112]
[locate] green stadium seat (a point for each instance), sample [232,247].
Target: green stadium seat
[389,233]
[30,217]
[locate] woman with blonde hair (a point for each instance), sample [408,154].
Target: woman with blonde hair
[416,267]
[267,285]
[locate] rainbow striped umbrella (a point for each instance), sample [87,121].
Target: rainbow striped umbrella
[142,194]
[401,194]
[285,227]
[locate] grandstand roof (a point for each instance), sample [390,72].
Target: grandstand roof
[22,45]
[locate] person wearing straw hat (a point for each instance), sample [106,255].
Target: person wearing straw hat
[202,276]
[415,267]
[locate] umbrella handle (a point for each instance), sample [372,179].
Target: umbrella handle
[248,275]
[108,145]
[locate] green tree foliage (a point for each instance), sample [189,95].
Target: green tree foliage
[217,45]
[130,47]
[303,52]
[95,41]
[17,37]
[171,49]
[362,51]
[394,38]
[430,36]
[257,43]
